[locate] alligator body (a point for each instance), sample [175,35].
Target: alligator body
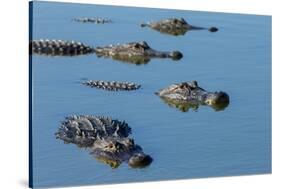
[187,95]
[112,85]
[59,48]
[135,52]
[93,20]
[106,139]
[174,26]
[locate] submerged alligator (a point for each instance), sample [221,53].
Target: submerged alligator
[187,95]
[174,26]
[59,48]
[135,52]
[93,20]
[112,85]
[106,139]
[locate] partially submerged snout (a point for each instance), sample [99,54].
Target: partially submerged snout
[140,160]
[213,29]
[219,100]
[176,55]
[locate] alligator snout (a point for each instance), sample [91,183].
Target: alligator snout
[176,55]
[219,100]
[140,160]
[213,29]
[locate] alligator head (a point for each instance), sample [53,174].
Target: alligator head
[135,52]
[188,94]
[106,139]
[115,150]
[174,26]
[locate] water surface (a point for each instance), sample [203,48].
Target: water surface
[193,144]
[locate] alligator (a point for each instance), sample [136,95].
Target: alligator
[174,26]
[112,85]
[135,52]
[59,48]
[187,95]
[93,20]
[106,139]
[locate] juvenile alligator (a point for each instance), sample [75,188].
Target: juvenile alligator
[93,20]
[112,85]
[187,95]
[135,52]
[106,139]
[59,48]
[174,26]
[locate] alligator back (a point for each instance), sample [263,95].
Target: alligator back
[59,48]
[112,85]
[93,20]
[84,130]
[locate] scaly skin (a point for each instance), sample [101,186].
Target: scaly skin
[105,138]
[112,85]
[93,20]
[59,48]
[187,95]
[174,26]
[135,52]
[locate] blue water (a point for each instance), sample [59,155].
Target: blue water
[193,144]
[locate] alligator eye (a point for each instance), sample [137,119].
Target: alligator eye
[137,46]
[110,145]
[209,102]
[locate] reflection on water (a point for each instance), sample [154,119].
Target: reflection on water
[185,106]
[137,60]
